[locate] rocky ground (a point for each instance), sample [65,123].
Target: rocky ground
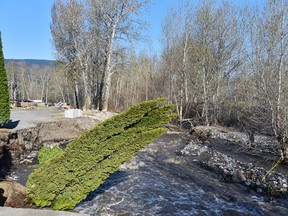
[236,159]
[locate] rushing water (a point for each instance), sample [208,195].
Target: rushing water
[159,181]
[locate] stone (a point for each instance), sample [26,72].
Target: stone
[242,176]
[238,176]
[73,113]
[26,161]
[12,194]
[259,190]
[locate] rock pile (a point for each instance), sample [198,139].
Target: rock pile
[233,170]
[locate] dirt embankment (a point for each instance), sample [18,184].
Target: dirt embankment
[21,146]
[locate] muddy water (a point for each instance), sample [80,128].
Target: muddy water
[160,181]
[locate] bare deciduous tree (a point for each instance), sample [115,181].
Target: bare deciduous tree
[68,30]
[268,33]
[115,20]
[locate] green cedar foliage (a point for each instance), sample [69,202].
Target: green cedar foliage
[70,176]
[46,153]
[4,93]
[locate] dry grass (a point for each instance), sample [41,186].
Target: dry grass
[57,115]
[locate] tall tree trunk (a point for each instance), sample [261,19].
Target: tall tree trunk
[108,71]
[62,93]
[279,121]
[46,94]
[87,99]
[205,95]
[184,69]
[76,95]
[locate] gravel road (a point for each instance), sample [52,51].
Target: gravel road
[30,118]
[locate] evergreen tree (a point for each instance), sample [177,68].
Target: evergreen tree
[69,176]
[4,94]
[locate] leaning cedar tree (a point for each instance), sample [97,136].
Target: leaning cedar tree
[4,93]
[70,176]
[46,153]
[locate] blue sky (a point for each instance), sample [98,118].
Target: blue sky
[24,25]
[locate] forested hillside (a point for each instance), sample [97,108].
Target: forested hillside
[30,62]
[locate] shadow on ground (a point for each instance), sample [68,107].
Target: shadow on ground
[2,197]
[10,124]
[113,180]
[5,161]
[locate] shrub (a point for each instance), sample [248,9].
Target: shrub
[46,153]
[69,177]
[4,93]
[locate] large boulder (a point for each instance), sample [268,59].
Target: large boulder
[12,194]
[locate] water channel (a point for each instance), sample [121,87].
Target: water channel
[158,181]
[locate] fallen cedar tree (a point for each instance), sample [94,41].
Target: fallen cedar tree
[66,179]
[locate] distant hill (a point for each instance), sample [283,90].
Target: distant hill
[29,62]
